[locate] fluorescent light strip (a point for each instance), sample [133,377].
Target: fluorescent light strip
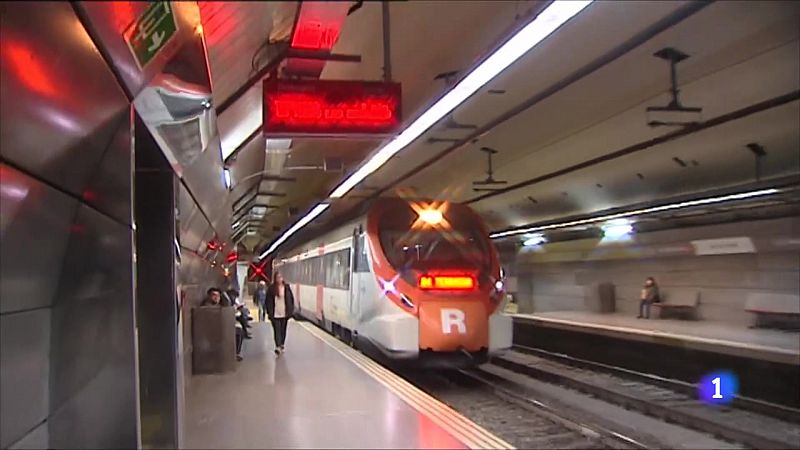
[686,204]
[299,224]
[226,173]
[542,26]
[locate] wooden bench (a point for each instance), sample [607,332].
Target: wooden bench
[774,310]
[681,303]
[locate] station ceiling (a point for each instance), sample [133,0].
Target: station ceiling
[567,120]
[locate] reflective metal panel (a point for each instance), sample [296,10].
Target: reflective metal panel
[24,367]
[92,340]
[35,225]
[109,189]
[193,233]
[101,415]
[109,20]
[37,439]
[204,178]
[178,112]
[59,102]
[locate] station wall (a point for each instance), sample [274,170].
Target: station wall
[68,349]
[68,359]
[554,280]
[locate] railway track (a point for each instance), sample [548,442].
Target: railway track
[749,422]
[521,421]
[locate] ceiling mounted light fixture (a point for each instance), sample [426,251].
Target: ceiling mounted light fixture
[317,210]
[226,175]
[534,240]
[617,229]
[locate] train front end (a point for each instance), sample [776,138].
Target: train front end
[435,261]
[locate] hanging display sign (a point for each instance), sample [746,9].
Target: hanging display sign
[331,108]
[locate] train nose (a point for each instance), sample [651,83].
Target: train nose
[453,326]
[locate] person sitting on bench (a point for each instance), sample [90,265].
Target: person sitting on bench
[648,297]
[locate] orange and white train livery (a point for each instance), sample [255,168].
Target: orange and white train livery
[412,280]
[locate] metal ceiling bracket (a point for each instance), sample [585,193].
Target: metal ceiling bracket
[435,140]
[322,56]
[674,113]
[489,171]
[387,45]
[355,7]
[759,154]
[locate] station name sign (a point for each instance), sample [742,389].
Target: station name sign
[331,108]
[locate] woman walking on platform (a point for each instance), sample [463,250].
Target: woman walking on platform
[280,307]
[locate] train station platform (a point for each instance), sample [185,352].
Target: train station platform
[319,394]
[760,344]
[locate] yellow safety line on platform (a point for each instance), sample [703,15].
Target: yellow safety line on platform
[468,432]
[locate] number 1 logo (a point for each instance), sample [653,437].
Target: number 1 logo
[718,387]
[716,382]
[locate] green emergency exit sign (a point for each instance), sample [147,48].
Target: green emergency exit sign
[151,32]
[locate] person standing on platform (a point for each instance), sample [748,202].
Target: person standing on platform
[260,299]
[280,307]
[648,297]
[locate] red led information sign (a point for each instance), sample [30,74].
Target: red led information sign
[331,108]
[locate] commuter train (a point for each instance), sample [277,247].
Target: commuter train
[408,281]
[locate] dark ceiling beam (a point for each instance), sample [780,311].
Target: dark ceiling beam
[787,183]
[277,178]
[269,67]
[249,191]
[242,212]
[232,157]
[244,206]
[322,56]
[639,146]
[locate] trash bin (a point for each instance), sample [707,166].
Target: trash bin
[213,340]
[600,298]
[608,301]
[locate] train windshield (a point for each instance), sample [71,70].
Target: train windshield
[456,244]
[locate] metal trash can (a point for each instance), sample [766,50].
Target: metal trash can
[607,295]
[213,340]
[600,298]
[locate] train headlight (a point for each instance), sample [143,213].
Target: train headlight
[498,285]
[431,216]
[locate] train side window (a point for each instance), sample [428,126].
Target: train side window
[360,262]
[317,274]
[337,268]
[328,270]
[344,269]
[320,274]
